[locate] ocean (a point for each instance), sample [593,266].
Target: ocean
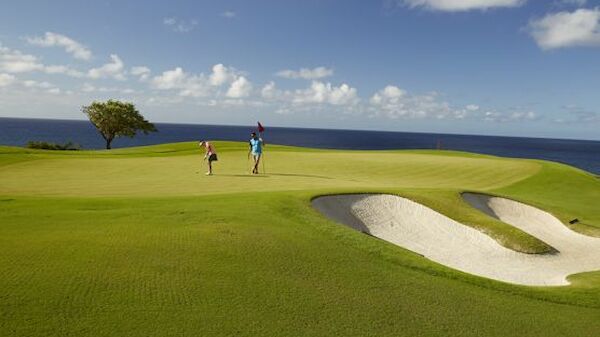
[584,154]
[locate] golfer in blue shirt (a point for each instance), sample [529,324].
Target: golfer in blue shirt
[256,145]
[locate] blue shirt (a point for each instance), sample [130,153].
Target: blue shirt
[256,144]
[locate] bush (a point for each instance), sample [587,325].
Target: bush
[69,146]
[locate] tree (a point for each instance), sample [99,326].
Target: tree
[115,119]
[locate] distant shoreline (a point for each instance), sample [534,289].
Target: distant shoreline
[320,129]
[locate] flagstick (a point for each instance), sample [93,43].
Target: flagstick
[263,157]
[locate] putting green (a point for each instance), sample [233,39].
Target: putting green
[139,242]
[167,174]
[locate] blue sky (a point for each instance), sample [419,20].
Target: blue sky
[498,67]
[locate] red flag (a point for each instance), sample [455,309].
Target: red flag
[260,128]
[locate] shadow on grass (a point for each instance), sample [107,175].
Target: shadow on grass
[268,175]
[243,175]
[298,175]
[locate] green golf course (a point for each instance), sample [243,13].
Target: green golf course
[140,242]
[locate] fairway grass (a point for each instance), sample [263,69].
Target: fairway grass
[138,242]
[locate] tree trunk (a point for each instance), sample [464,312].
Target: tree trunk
[108,141]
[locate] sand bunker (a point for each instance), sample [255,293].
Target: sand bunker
[418,228]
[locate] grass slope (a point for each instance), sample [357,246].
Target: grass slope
[135,242]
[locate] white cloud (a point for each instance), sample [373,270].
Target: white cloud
[199,85]
[514,116]
[390,93]
[577,3]
[187,84]
[66,70]
[567,29]
[306,73]
[228,14]
[164,100]
[222,74]
[579,115]
[318,93]
[169,21]
[472,107]
[395,103]
[6,80]
[269,91]
[141,71]
[319,97]
[169,79]
[88,88]
[36,84]
[461,5]
[240,88]
[71,46]
[195,86]
[54,91]
[13,61]
[56,69]
[114,69]
[179,25]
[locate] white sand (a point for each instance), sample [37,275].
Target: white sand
[422,230]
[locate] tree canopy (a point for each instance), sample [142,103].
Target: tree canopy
[116,119]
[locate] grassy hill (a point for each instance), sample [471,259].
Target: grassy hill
[139,242]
